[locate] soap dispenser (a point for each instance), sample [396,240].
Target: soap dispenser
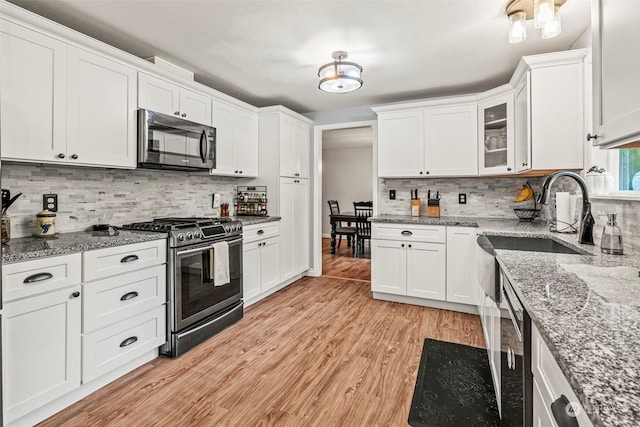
[611,237]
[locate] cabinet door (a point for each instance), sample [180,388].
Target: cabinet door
[616,67]
[496,132]
[426,270]
[158,95]
[462,270]
[557,116]
[288,165]
[33,80]
[302,142]
[388,266]
[523,126]
[245,143]
[195,107]
[401,144]
[251,269]
[223,121]
[451,136]
[541,415]
[270,263]
[287,224]
[101,121]
[45,365]
[302,226]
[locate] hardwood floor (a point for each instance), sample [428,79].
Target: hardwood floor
[342,264]
[321,352]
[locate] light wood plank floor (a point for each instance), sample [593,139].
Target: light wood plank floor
[342,264]
[321,352]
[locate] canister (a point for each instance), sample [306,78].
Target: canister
[46,223]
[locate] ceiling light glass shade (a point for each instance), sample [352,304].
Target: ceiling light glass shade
[543,12]
[517,27]
[340,76]
[553,28]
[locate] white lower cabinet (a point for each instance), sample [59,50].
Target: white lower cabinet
[260,260]
[429,262]
[41,350]
[295,229]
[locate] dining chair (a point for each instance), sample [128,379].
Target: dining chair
[363,210]
[350,232]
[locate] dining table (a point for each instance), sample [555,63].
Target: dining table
[335,219]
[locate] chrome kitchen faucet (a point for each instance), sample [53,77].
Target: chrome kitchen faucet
[586,224]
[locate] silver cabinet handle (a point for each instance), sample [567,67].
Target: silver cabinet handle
[128,296]
[38,277]
[128,341]
[129,258]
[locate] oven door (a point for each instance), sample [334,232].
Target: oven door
[194,295]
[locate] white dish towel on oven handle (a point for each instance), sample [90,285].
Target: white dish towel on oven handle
[219,258]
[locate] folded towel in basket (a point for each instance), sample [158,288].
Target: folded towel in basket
[219,257]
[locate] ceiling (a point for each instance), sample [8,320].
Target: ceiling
[268,52]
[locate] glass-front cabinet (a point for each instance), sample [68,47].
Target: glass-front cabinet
[496,135]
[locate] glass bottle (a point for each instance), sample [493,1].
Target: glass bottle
[611,237]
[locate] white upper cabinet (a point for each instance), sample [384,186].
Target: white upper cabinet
[295,141]
[33,80]
[495,135]
[61,104]
[236,141]
[450,141]
[555,128]
[428,140]
[522,127]
[616,71]
[101,111]
[165,97]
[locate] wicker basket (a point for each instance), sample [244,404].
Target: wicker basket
[527,214]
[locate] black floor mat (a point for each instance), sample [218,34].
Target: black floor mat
[453,388]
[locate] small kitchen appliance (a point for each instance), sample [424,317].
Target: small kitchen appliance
[251,201]
[197,308]
[611,242]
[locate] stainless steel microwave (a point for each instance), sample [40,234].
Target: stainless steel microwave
[167,142]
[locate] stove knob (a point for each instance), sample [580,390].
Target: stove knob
[189,236]
[181,237]
[196,234]
[227,228]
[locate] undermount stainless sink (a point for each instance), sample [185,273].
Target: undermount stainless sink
[533,244]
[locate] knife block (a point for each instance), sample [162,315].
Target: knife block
[415,207]
[433,208]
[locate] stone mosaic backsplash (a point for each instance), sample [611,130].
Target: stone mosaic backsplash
[494,198]
[88,196]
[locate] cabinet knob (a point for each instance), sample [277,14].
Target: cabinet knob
[236,172]
[427,172]
[508,169]
[240,172]
[183,115]
[420,172]
[409,245]
[76,294]
[525,164]
[61,156]
[402,245]
[177,113]
[590,137]
[74,156]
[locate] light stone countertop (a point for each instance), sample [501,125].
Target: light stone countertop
[26,248]
[586,308]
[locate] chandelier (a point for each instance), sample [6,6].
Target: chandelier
[545,15]
[340,76]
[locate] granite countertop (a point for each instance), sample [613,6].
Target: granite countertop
[26,248]
[251,220]
[586,308]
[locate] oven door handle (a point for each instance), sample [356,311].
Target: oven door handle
[511,313]
[205,248]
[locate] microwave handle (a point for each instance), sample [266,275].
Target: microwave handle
[203,146]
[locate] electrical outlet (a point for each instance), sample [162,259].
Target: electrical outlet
[50,202]
[462,198]
[392,194]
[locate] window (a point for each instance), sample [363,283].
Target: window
[629,169]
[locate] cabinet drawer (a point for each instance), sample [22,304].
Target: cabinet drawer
[254,232]
[120,343]
[550,378]
[117,298]
[409,232]
[28,278]
[101,263]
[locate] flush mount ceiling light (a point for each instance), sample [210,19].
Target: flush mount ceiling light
[340,76]
[545,13]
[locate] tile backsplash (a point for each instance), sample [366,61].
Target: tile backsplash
[494,197]
[88,196]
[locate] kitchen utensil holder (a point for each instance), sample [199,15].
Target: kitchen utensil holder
[6,229]
[415,207]
[433,208]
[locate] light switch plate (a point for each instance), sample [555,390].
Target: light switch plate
[392,194]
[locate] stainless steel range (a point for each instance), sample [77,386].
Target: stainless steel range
[197,308]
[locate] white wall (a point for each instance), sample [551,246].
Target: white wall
[347,176]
